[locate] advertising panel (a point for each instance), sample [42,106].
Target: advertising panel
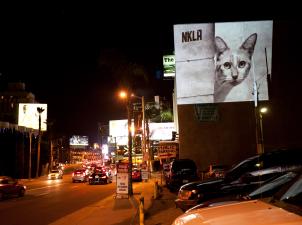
[28,115]
[222,62]
[119,130]
[122,179]
[161,131]
[169,65]
[77,140]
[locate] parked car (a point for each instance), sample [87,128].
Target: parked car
[240,179]
[55,174]
[11,187]
[101,176]
[285,207]
[136,174]
[268,189]
[181,171]
[79,175]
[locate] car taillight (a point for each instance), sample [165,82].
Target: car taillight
[72,174]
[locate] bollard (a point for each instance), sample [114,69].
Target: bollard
[141,211]
[155,190]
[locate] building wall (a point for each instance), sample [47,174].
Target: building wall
[233,137]
[226,141]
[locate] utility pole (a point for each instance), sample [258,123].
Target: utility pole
[29,158]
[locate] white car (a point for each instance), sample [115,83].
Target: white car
[284,208]
[55,174]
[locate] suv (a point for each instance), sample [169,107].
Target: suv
[181,171]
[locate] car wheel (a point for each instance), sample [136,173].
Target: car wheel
[21,193]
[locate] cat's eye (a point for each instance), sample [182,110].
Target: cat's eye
[242,64]
[227,65]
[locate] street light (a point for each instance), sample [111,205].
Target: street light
[262,111]
[40,110]
[124,95]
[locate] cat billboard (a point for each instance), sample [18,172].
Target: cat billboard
[28,115]
[222,62]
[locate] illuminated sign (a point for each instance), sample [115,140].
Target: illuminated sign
[77,140]
[119,130]
[161,131]
[29,116]
[169,65]
[222,62]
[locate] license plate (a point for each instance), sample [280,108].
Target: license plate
[185,181]
[96,176]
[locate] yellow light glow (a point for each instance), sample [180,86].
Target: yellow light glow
[123,94]
[263,110]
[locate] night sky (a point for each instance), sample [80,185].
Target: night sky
[76,58]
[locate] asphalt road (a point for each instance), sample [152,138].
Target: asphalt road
[46,201]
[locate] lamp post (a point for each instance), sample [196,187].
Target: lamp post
[262,111]
[124,95]
[40,110]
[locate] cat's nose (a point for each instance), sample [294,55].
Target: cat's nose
[235,77]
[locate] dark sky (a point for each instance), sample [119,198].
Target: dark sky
[75,58]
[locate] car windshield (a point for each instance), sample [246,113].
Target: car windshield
[274,184]
[185,164]
[55,171]
[291,192]
[294,193]
[250,164]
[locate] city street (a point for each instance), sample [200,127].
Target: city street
[46,201]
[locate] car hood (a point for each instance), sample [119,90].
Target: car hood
[201,184]
[243,213]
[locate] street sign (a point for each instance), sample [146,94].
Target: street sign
[167,150]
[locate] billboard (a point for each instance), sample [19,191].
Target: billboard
[222,62]
[157,131]
[28,115]
[161,131]
[119,130]
[77,140]
[169,66]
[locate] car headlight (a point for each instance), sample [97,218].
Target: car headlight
[187,194]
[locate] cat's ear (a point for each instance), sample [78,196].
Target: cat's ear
[249,43]
[221,46]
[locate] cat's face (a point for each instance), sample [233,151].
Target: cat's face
[233,66]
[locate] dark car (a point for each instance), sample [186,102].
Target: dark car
[242,178]
[268,189]
[284,207]
[10,187]
[100,177]
[181,171]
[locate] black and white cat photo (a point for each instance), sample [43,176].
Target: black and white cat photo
[232,69]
